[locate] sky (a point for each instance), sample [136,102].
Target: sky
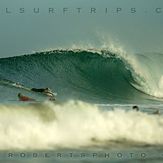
[132,24]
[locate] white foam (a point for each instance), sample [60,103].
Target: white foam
[74,125]
[161,83]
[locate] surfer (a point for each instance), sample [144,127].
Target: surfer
[45,91]
[135,107]
[24,98]
[41,90]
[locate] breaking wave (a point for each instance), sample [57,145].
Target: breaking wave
[90,75]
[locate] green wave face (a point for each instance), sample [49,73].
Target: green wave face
[98,77]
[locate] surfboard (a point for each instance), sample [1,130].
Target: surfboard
[48,94]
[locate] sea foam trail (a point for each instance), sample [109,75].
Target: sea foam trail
[75,124]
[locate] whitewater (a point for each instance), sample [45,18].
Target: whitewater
[76,125]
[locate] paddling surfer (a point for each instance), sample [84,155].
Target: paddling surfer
[24,98]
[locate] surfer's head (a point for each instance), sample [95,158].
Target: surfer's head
[135,108]
[47,89]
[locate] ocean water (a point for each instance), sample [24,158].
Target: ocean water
[96,89]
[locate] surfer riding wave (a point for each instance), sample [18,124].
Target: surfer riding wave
[41,90]
[46,91]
